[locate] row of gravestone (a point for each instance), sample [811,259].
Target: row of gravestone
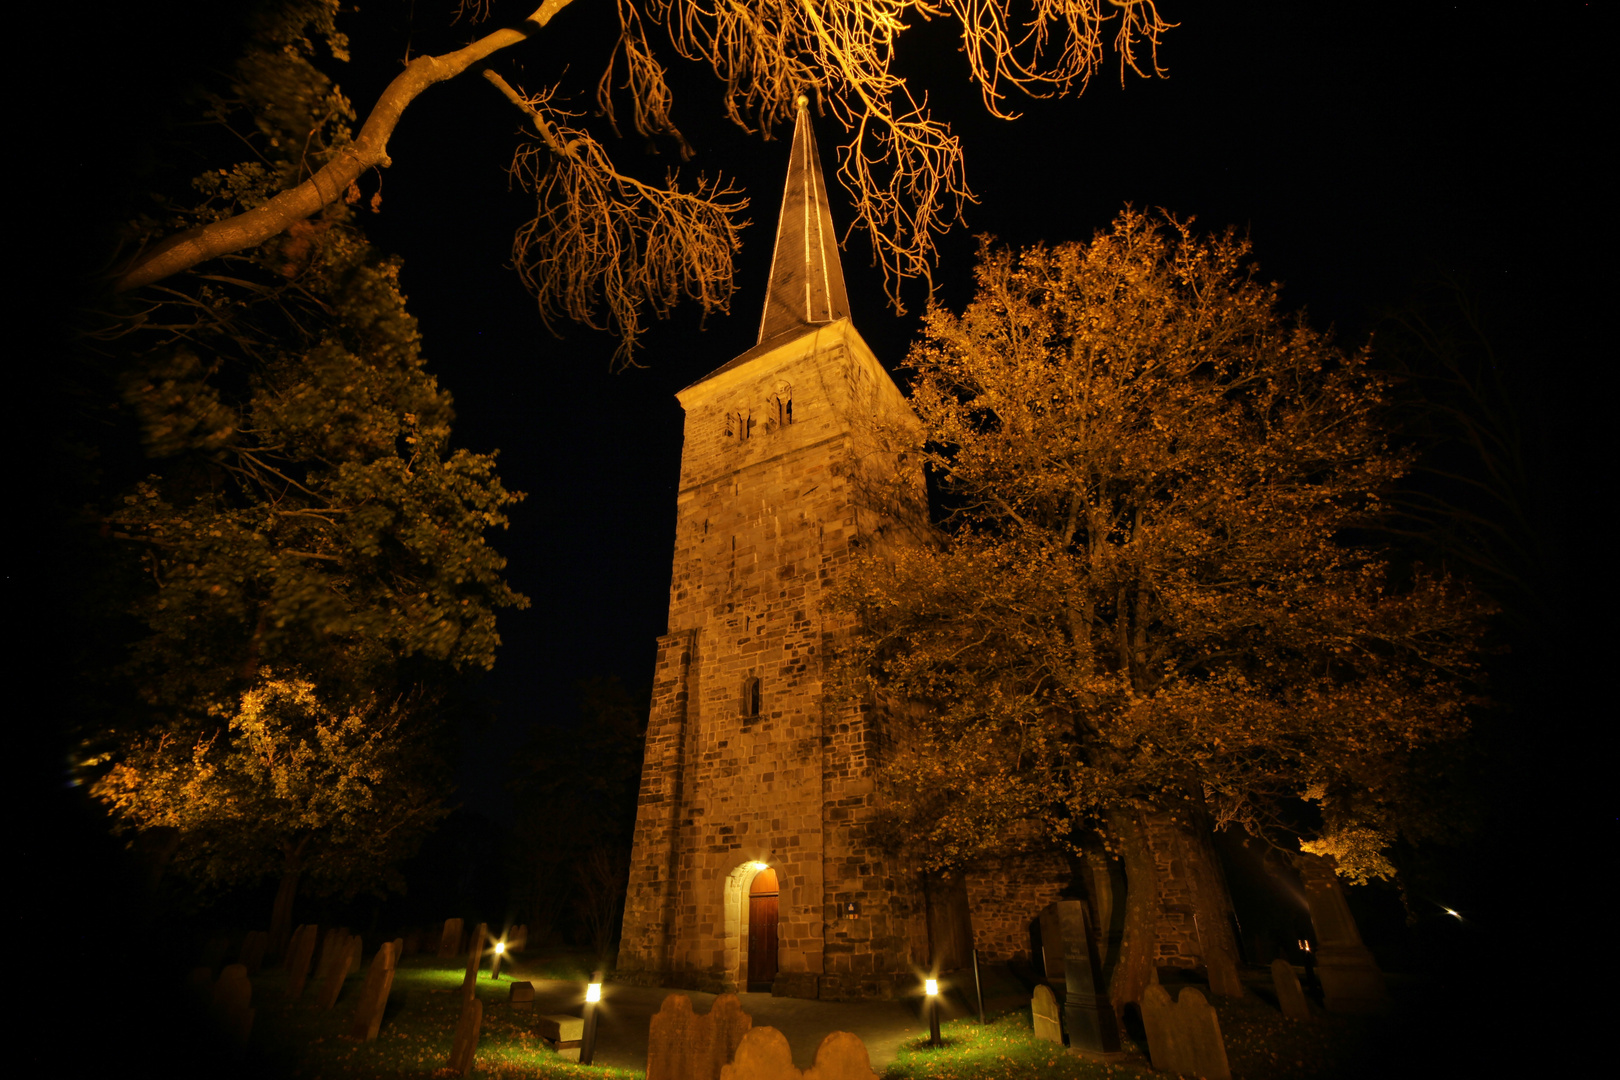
[1184,1034]
[452,939]
[723,1044]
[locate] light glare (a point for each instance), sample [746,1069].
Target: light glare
[593,992]
[930,987]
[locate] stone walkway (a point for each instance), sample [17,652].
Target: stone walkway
[622,1024]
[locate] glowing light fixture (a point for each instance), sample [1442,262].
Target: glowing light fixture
[930,987]
[500,947]
[761,866]
[593,992]
[1453,914]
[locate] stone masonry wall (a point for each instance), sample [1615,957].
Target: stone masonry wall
[765,520]
[1006,895]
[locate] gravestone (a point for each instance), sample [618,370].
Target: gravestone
[563,1033]
[1051,944]
[684,1046]
[368,1011]
[300,951]
[764,1054]
[450,940]
[1184,1036]
[353,966]
[1043,1009]
[329,941]
[1087,1014]
[231,1004]
[520,995]
[335,969]
[475,955]
[467,1028]
[1351,980]
[253,947]
[1290,996]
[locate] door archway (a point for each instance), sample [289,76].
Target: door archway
[763,895]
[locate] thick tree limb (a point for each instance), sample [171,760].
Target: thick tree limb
[253,227]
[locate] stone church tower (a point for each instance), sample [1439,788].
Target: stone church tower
[752,869]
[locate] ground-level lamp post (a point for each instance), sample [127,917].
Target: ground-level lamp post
[931,988]
[978,987]
[495,965]
[587,1039]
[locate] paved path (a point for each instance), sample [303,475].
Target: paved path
[621,1036]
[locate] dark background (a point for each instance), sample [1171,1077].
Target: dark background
[1366,150]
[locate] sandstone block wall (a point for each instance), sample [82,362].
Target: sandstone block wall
[1005,896]
[776,461]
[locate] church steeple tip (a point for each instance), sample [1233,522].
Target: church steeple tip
[807,280]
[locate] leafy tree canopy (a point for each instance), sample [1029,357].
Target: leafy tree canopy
[1148,592]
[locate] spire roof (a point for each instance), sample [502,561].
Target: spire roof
[807,280]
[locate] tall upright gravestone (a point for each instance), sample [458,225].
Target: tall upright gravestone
[1184,1036]
[450,940]
[231,1004]
[300,951]
[1087,1013]
[1351,981]
[682,1045]
[368,1011]
[335,969]
[466,1041]
[475,956]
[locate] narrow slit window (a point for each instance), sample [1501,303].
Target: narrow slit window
[750,698]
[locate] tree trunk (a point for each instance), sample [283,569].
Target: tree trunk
[369,150]
[281,912]
[1213,915]
[1131,974]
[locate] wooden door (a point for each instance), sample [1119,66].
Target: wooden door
[762,900]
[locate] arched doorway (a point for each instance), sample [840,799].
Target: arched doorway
[763,893]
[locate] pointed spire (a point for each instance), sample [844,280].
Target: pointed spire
[807,280]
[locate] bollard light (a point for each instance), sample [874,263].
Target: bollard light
[587,1039]
[931,988]
[500,947]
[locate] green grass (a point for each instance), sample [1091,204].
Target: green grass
[298,1040]
[1260,1045]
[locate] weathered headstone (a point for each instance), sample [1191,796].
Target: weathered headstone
[684,1046]
[1351,980]
[1184,1036]
[353,967]
[1290,995]
[231,1004]
[1043,1009]
[475,956]
[253,947]
[1087,1014]
[764,1054]
[334,970]
[520,995]
[450,940]
[563,1033]
[300,951]
[323,956]
[368,1011]
[466,1043]
[1051,944]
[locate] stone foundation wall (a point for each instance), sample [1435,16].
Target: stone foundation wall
[1006,895]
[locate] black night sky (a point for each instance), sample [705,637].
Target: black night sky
[1366,149]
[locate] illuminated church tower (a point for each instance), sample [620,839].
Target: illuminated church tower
[752,867]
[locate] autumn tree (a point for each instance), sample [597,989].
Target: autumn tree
[608,248]
[285,786]
[1151,597]
[300,542]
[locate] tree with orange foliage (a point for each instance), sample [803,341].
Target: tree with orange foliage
[606,248]
[1148,596]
